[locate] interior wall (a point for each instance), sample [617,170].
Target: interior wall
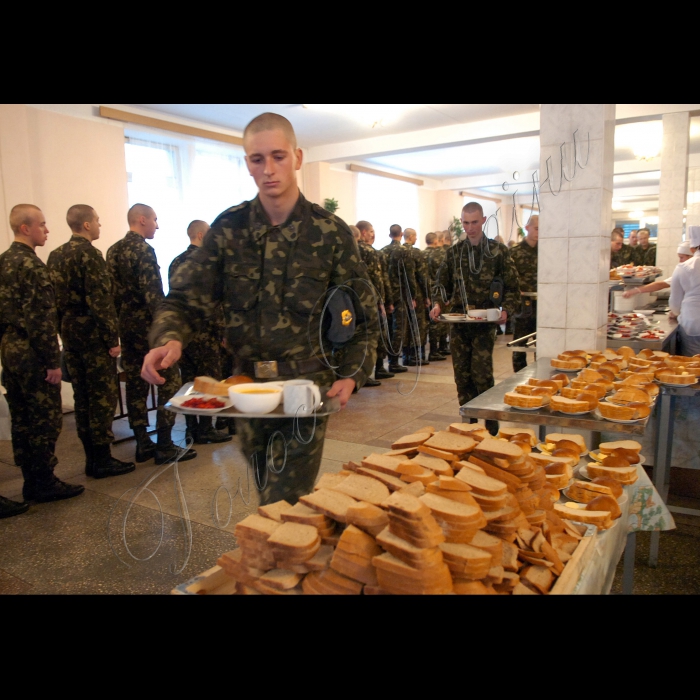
[448,205]
[427,212]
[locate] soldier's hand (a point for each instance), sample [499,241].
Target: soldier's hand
[53,376]
[503,318]
[160,358]
[427,303]
[342,388]
[115,351]
[383,310]
[414,303]
[435,312]
[390,308]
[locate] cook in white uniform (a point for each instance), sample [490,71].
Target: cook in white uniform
[685,297]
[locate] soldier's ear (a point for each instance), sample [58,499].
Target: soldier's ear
[299,155]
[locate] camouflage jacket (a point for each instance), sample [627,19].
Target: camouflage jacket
[421,270]
[27,304]
[216,325]
[138,287]
[373,260]
[477,285]
[525,260]
[644,257]
[434,258]
[272,281]
[624,256]
[83,286]
[401,268]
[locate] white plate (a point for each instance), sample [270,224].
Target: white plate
[583,473]
[578,413]
[679,385]
[568,371]
[179,400]
[621,500]
[642,459]
[523,408]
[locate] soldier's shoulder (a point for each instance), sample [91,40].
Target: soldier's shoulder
[318,212]
[232,216]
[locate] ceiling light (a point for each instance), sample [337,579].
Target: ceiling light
[371,115]
[652,220]
[617,204]
[643,138]
[636,215]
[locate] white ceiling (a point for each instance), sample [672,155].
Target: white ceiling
[316,128]
[487,162]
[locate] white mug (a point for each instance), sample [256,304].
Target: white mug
[301,397]
[493,314]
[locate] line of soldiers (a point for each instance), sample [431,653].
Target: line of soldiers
[638,252]
[101,309]
[403,277]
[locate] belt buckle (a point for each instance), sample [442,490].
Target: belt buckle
[266,370]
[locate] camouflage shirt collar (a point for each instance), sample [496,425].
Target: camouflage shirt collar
[74,238]
[260,223]
[133,236]
[23,247]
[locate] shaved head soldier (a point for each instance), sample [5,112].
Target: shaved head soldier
[90,335]
[138,291]
[29,353]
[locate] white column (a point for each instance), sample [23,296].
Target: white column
[693,216]
[672,189]
[575,225]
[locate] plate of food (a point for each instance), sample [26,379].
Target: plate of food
[572,413]
[201,404]
[525,408]
[599,457]
[621,500]
[684,385]
[548,447]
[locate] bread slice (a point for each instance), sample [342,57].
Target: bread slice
[608,447]
[513,398]
[328,481]
[256,526]
[294,537]
[280,579]
[299,513]
[569,362]
[435,452]
[564,405]
[538,576]
[580,515]
[480,483]
[435,464]
[274,511]
[381,463]
[472,430]
[574,437]
[459,496]
[393,483]
[452,511]
[363,488]
[405,452]
[499,449]
[416,489]
[413,440]
[418,557]
[586,491]
[509,433]
[625,475]
[331,503]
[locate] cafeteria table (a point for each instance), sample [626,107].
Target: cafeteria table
[490,406]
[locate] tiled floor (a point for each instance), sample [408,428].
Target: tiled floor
[183,519]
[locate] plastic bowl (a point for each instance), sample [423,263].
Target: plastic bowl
[256,398]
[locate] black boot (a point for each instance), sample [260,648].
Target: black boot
[50,489]
[409,358]
[192,430]
[105,465]
[394,365]
[226,424]
[423,355]
[145,447]
[167,451]
[491,426]
[206,432]
[380,372]
[371,382]
[9,508]
[89,456]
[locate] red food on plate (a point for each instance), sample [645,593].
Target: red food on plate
[198,402]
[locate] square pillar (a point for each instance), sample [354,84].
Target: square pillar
[672,189]
[575,225]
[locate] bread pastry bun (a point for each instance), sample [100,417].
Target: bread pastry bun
[524,445]
[561,377]
[646,353]
[589,375]
[606,373]
[548,384]
[615,461]
[208,385]
[605,503]
[592,399]
[512,398]
[564,405]
[607,447]
[642,410]
[629,395]
[596,389]
[555,468]
[543,391]
[612,484]
[630,455]
[626,352]
[613,367]
[638,362]
[566,452]
[616,412]
[569,445]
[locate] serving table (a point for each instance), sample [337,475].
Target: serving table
[646,509]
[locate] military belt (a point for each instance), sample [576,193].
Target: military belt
[271,369]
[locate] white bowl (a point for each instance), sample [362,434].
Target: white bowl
[256,398]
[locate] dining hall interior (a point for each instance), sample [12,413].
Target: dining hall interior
[583,169]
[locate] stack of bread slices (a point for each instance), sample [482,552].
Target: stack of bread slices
[483,523]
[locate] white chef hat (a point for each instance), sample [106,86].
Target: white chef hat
[684,249]
[694,236]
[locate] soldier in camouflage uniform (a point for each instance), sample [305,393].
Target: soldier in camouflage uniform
[30,361]
[415,345]
[645,252]
[202,357]
[524,257]
[138,291]
[379,277]
[475,262]
[271,262]
[88,328]
[402,278]
[620,254]
[434,256]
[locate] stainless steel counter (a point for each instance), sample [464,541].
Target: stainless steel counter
[667,344]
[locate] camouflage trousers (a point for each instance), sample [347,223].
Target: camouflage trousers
[134,349]
[93,374]
[263,442]
[472,358]
[409,338]
[35,410]
[522,327]
[202,357]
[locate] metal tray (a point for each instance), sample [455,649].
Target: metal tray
[328,406]
[464,319]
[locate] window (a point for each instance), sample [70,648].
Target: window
[183,179]
[384,202]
